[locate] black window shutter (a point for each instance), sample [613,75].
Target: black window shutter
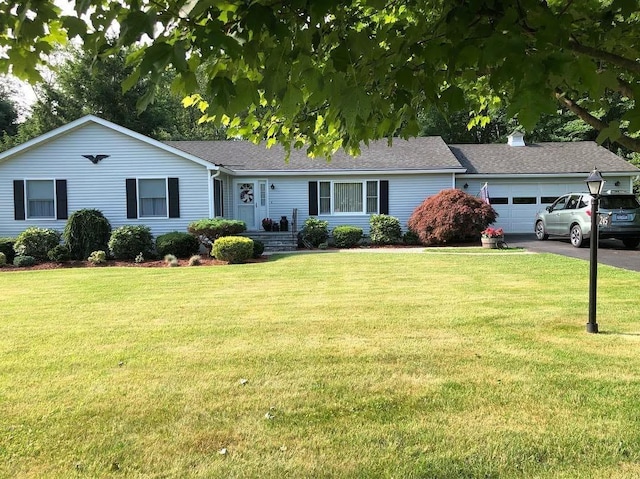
[18,199]
[218,205]
[174,198]
[384,197]
[221,197]
[132,198]
[313,198]
[62,212]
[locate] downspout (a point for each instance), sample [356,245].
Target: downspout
[210,188]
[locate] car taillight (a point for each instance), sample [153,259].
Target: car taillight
[588,212]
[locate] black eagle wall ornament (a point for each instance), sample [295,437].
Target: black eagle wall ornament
[95,158]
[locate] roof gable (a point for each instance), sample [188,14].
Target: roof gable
[91,119]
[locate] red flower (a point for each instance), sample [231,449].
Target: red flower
[493,233]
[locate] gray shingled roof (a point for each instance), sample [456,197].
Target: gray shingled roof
[426,153]
[544,158]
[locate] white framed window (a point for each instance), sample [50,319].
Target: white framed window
[325,198]
[152,197]
[348,197]
[263,193]
[372,197]
[40,196]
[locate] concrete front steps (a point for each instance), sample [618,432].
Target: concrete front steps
[275,241]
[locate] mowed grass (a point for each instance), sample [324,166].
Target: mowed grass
[321,365]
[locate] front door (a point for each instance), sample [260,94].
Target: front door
[251,202]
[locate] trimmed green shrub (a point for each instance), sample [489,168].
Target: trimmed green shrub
[385,230]
[59,253]
[36,242]
[3,259]
[130,241]
[411,238]
[97,257]
[210,229]
[181,245]
[258,249]
[22,261]
[6,247]
[86,231]
[451,216]
[314,232]
[233,249]
[346,236]
[171,260]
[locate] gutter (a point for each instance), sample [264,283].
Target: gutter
[512,176]
[271,173]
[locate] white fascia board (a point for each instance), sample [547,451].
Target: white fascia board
[40,140]
[224,169]
[519,176]
[271,173]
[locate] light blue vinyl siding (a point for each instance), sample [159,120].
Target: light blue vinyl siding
[102,185]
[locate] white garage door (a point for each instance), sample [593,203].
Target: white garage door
[517,204]
[518,201]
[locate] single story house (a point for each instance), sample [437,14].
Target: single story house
[133,179]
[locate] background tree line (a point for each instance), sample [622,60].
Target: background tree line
[80,84]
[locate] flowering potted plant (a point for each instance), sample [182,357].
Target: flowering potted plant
[491,236]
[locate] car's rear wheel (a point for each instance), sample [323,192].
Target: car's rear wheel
[577,239]
[631,243]
[541,234]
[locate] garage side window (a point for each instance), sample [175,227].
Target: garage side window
[40,199]
[153,197]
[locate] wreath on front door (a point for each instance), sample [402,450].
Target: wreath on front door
[246,193]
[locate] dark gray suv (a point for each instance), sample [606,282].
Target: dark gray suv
[570,216]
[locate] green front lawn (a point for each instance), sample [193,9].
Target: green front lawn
[321,365]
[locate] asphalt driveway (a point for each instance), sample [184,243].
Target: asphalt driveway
[610,252]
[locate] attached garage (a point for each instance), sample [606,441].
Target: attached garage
[523,179]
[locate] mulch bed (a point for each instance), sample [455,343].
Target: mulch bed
[116,263]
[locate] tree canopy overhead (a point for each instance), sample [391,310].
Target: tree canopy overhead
[335,73]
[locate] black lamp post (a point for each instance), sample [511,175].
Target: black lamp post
[595,183]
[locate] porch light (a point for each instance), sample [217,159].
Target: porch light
[595,183]
[273,187]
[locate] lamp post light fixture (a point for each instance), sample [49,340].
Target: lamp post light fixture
[595,183]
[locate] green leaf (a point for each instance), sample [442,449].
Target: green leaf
[341,58]
[633,117]
[611,132]
[453,97]
[74,26]
[131,80]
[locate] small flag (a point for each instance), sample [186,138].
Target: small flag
[484,194]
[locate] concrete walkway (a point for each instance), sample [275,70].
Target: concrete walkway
[610,252]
